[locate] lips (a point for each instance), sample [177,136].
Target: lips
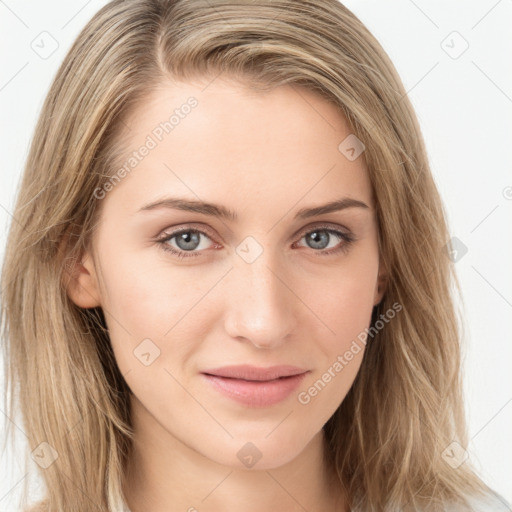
[248,372]
[256,387]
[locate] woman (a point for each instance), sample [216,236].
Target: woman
[241,297]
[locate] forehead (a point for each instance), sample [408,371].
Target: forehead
[222,141]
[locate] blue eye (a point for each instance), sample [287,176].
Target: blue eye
[321,238]
[187,241]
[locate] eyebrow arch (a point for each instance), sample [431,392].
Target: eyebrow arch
[222,212]
[333,206]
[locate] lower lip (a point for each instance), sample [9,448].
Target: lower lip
[256,393]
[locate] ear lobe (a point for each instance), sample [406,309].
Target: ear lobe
[80,282]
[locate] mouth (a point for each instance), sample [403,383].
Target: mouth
[256,387]
[254,373]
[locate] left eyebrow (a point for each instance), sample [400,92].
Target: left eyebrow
[333,206]
[220,211]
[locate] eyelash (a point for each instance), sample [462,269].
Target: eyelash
[348,239]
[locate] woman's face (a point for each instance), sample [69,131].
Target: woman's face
[274,283]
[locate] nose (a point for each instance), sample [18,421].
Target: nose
[261,307]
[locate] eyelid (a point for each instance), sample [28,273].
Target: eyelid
[323,225]
[200,228]
[347,236]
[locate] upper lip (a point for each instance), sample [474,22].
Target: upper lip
[248,372]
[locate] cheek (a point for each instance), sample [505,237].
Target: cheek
[142,290]
[149,299]
[344,304]
[344,298]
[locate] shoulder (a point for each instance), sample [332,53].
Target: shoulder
[491,502]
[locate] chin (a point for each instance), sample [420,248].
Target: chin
[260,451]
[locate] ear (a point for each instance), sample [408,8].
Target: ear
[80,281]
[381,284]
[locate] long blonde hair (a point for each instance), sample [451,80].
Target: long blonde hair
[405,407]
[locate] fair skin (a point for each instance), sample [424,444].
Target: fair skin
[265,156]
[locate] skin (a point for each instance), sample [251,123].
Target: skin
[264,156]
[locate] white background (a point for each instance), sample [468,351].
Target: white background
[464,105]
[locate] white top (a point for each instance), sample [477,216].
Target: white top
[492,503]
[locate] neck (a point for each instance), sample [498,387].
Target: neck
[164,474]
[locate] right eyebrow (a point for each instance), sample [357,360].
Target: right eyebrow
[192,206]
